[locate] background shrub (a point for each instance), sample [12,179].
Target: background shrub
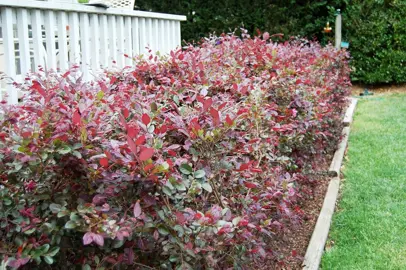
[375,29]
[195,161]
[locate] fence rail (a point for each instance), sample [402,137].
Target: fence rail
[57,35]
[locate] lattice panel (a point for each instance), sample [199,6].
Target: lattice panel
[124,4]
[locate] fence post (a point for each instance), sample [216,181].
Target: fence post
[338,29]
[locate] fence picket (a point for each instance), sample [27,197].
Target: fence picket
[104,41]
[128,41]
[74,30]
[37,39]
[113,40]
[23,41]
[9,55]
[94,24]
[63,41]
[50,39]
[136,35]
[143,36]
[85,44]
[120,40]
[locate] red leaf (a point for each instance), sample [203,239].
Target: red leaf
[148,167]
[26,134]
[146,154]
[243,166]
[123,122]
[113,80]
[180,218]
[63,106]
[137,209]
[222,106]
[126,113]
[146,119]
[200,99]
[66,74]
[132,132]
[216,116]
[172,153]
[132,145]
[140,140]
[107,153]
[76,118]
[250,185]
[229,120]
[235,86]
[256,170]
[37,86]
[104,162]
[207,104]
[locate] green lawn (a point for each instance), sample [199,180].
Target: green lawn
[369,226]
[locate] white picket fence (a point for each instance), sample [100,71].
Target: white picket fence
[57,35]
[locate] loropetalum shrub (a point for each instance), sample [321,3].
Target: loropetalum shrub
[197,160]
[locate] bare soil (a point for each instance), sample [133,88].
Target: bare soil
[379,89]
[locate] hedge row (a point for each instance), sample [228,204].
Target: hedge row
[198,160]
[376,29]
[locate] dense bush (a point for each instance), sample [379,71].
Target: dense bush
[376,29]
[196,161]
[377,32]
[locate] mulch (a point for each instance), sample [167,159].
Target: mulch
[291,248]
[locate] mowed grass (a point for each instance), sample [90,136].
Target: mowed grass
[369,226]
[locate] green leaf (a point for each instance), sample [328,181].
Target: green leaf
[30,231]
[176,99]
[180,230]
[167,190]
[186,169]
[161,214]
[7,201]
[100,95]
[18,166]
[118,244]
[77,154]
[53,251]
[162,230]
[55,208]
[200,174]
[74,217]
[63,213]
[174,258]
[180,187]
[206,186]
[70,224]
[86,267]
[96,259]
[44,156]
[44,248]
[64,150]
[48,260]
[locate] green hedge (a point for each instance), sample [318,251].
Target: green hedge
[377,32]
[376,29]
